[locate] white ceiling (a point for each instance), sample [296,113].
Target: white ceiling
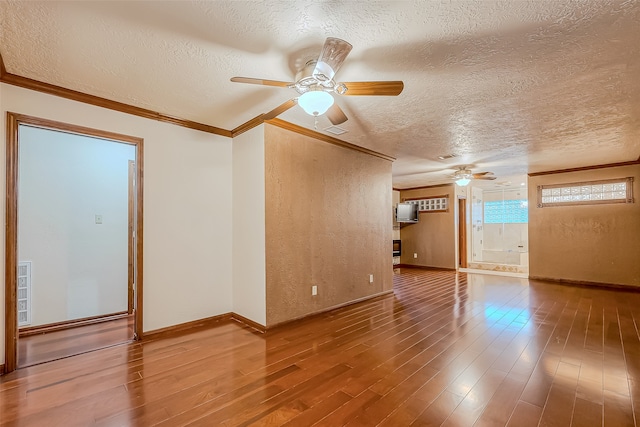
[508,86]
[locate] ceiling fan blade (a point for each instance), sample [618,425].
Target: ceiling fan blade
[389,88]
[279,109]
[260,81]
[336,115]
[489,178]
[475,175]
[333,54]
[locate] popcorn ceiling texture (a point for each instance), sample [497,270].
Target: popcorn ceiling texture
[509,86]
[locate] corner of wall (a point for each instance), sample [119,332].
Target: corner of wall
[248,225]
[3,150]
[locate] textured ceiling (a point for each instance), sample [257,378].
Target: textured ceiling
[508,86]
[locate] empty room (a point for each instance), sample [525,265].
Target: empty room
[320,213]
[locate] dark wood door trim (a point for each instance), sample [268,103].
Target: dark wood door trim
[13,121]
[11,246]
[130,238]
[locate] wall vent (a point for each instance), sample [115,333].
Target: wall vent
[24,293]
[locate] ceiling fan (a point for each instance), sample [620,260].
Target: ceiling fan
[315,83]
[463,176]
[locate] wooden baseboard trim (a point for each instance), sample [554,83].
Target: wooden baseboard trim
[207,322]
[328,309]
[423,267]
[68,324]
[587,284]
[248,322]
[229,317]
[2,369]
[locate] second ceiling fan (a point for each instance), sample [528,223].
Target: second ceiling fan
[315,84]
[463,175]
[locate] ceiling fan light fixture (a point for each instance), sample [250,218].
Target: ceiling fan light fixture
[462,182]
[315,102]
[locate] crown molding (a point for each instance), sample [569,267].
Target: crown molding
[74,95]
[50,89]
[255,122]
[424,187]
[586,168]
[326,138]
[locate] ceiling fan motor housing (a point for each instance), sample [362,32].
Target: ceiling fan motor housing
[307,81]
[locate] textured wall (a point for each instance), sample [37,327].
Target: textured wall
[433,238]
[592,243]
[328,224]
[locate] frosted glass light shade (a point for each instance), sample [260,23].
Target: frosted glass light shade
[331,58]
[463,181]
[315,102]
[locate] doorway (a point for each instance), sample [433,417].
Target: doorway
[462,232]
[73,237]
[499,227]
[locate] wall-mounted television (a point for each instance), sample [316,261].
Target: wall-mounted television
[407,212]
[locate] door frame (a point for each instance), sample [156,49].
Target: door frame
[462,232]
[13,122]
[131,236]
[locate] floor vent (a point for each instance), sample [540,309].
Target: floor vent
[24,293]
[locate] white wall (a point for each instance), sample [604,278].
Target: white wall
[78,267]
[187,207]
[249,269]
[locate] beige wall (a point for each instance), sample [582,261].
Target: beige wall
[328,224]
[433,238]
[589,243]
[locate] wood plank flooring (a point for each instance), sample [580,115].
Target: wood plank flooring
[35,349]
[445,349]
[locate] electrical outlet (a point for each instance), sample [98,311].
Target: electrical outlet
[314,290]
[415,255]
[371,278]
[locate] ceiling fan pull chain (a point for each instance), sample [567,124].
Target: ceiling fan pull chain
[315,124]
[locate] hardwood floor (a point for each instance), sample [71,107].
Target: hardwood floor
[35,349]
[445,349]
